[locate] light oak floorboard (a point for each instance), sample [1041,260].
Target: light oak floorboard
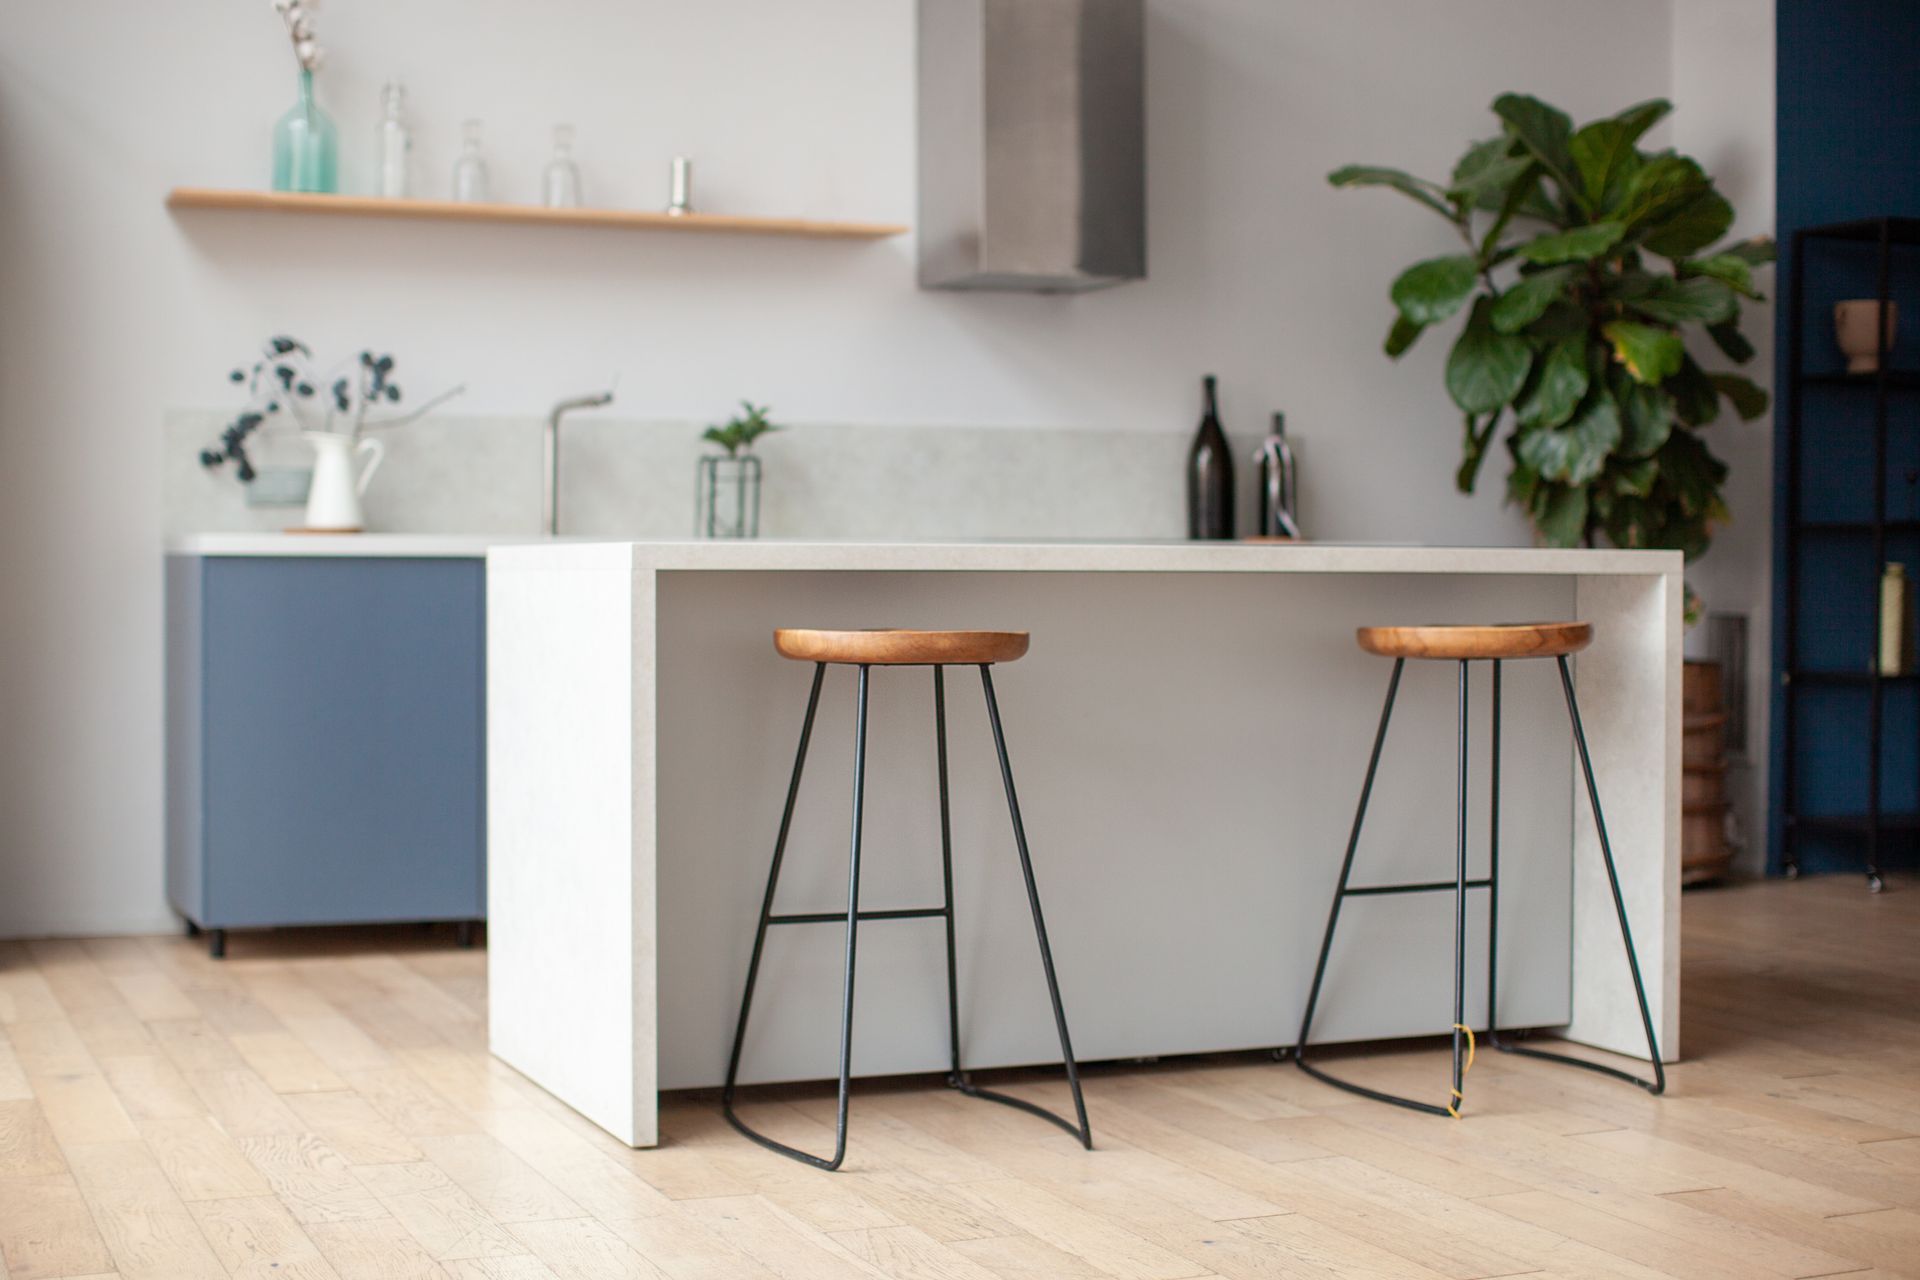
[322,1105]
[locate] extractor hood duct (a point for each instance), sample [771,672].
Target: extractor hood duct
[1032,144]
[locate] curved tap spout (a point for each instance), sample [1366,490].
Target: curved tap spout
[550,478]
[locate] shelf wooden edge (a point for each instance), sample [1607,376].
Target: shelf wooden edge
[452,211]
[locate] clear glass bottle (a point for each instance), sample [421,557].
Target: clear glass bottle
[560,186]
[395,144]
[470,170]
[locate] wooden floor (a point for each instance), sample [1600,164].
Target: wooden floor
[323,1105]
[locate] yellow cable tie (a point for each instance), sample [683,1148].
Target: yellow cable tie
[1453,1107]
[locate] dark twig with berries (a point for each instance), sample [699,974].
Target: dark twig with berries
[283,384]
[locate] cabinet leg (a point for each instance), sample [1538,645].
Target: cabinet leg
[463,933]
[193,930]
[217,943]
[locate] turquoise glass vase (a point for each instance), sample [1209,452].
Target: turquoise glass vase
[305,145]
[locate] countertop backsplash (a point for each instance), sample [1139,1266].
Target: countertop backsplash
[626,478]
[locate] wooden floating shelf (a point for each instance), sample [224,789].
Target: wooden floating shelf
[452,211]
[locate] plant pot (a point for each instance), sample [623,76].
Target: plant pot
[1856,327]
[727,497]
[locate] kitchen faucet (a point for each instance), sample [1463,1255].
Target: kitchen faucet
[550,487]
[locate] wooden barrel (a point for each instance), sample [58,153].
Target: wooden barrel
[1704,852]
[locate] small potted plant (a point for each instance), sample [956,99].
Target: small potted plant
[727,499]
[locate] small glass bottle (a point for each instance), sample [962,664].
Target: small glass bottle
[470,170]
[395,144]
[560,186]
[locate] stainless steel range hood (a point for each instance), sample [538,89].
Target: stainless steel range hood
[1032,144]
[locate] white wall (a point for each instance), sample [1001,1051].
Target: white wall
[115,311]
[1723,95]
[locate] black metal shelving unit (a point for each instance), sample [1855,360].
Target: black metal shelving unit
[1887,235]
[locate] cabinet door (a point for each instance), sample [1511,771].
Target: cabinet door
[343,740]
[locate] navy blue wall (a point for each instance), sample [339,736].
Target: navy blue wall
[1848,147]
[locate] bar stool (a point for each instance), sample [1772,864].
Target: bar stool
[1466,645]
[866,650]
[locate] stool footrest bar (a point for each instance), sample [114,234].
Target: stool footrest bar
[1375,890]
[840,917]
[1505,1047]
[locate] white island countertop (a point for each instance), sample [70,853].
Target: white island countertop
[1190,731]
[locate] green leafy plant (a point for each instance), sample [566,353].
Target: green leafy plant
[740,431]
[1585,261]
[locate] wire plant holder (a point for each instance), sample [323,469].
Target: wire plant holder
[727,497]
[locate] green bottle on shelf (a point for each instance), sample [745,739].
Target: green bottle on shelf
[305,145]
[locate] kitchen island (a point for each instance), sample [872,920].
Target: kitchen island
[1189,733]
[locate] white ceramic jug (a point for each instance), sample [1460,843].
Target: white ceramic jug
[333,500]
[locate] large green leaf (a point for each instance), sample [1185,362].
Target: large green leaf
[1483,180]
[1646,417]
[1649,354]
[1729,269]
[1642,116]
[1690,228]
[1559,383]
[1578,244]
[1604,155]
[1560,514]
[1469,172]
[1403,335]
[1748,400]
[1696,401]
[1575,453]
[1690,472]
[1756,252]
[1543,130]
[1633,479]
[1663,185]
[1564,318]
[1428,292]
[1366,175]
[1529,298]
[1486,367]
[1699,298]
[1730,340]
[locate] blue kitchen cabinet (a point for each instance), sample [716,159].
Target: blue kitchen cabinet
[325,740]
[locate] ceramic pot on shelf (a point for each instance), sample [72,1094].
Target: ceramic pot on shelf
[333,500]
[1856,327]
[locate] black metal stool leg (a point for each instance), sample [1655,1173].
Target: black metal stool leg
[1493,867]
[954,1078]
[1340,893]
[1081,1131]
[1659,1082]
[766,918]
[1460,906]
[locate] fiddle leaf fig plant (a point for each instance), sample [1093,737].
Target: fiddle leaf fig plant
[1584,261]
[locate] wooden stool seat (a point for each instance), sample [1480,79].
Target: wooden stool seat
[894,648]
[1463,643]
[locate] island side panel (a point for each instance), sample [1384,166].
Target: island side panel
[1629,687]
[564,910]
